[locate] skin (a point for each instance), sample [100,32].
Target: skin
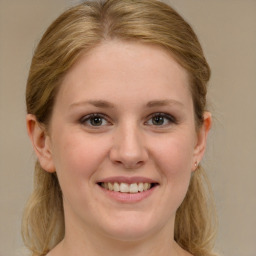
[129,84]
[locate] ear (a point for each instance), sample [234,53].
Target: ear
[201,139]
[41,143]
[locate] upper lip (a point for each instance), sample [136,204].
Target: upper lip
[128,180]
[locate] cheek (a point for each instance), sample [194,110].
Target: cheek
[173,158]
[78,157]
[175,155]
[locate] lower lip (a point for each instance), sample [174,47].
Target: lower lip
[128,197]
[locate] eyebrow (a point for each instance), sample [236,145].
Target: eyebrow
[167,102]
[106,104]
[96,103]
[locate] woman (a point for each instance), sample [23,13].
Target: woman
[116,102]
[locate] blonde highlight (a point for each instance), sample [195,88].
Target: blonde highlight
[77,31]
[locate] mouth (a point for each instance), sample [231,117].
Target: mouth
[127,188]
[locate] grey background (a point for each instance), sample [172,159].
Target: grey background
[227,30]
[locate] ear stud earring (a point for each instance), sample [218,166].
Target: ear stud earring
[196,164]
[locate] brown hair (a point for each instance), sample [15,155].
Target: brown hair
[79,30]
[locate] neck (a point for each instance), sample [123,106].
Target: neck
[88,240]
[95,244]
[117,248]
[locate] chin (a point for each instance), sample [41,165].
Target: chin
[133,229]
[129,235]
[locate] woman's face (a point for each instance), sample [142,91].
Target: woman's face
[123,119]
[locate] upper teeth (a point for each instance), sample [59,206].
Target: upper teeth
[125,187]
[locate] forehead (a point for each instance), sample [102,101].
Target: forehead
[125,69]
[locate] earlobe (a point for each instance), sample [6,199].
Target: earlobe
[41,143]
[201,139]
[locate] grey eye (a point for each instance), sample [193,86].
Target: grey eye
[94,120]
[161,119]
[158,120]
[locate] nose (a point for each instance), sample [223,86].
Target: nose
[129,149]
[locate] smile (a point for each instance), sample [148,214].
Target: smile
[127,188]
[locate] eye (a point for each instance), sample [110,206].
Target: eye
[94,120]
[161,119]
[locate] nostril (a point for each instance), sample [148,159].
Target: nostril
[129,164]
[133,165]
[128,151]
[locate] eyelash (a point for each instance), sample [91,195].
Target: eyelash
[170,119]
[90,117]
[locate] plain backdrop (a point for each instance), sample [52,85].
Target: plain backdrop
[227,31]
